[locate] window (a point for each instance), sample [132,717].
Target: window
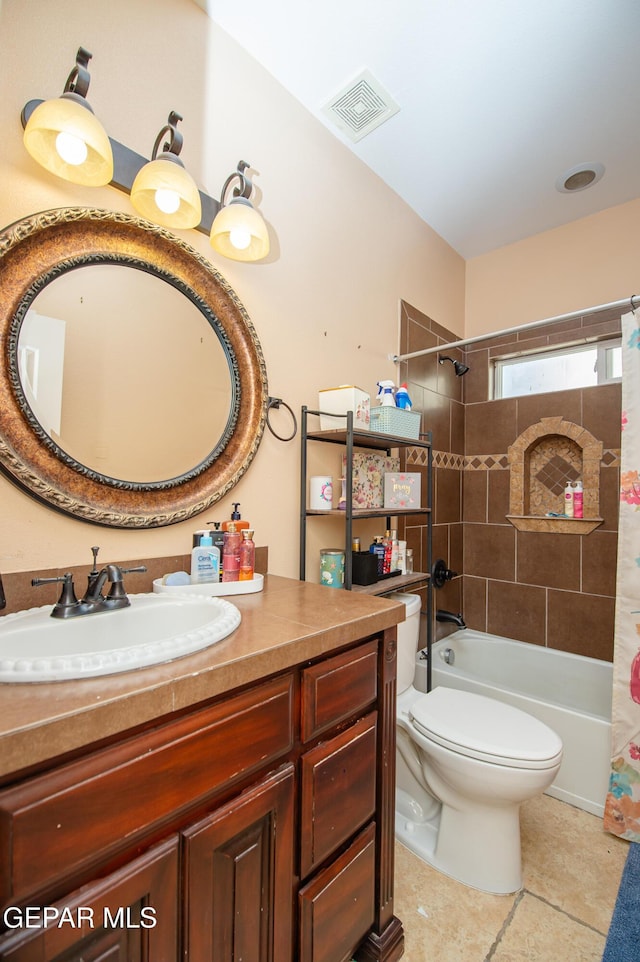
[583,365]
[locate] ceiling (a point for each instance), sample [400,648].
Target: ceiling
[498,99]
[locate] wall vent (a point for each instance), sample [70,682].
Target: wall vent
[360,107]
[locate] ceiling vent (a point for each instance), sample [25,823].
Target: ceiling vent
[360,107]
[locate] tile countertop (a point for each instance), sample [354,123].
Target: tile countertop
[285,624]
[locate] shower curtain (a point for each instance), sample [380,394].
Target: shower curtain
[622,805]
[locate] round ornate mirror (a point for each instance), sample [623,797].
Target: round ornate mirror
[133,389]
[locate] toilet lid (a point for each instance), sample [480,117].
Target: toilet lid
[486,729]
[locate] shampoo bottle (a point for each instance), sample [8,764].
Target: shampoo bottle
[205,562]
[247,556]
[578,500]
[568,500]
[235,519]
[231,554]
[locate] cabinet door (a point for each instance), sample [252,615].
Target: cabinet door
[239,877]
[129,916]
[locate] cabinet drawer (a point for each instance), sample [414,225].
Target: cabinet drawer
[338,688]
[337,907]
[338,791]
[56,826]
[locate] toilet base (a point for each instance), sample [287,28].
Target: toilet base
[489,860]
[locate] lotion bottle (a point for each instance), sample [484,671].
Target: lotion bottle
[231,554]
[568,500]
[205,562]
[247,556]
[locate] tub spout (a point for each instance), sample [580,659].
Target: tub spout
[450,618]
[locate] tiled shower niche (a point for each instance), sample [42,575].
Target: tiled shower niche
[542,460]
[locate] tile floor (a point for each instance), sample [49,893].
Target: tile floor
[572,870]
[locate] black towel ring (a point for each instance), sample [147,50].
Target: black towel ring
[275,402]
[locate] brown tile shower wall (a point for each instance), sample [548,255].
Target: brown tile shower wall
[545,588]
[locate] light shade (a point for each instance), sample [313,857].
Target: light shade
[166,194]
[239,232]
[65,138]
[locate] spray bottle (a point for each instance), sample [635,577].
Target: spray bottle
[385,394]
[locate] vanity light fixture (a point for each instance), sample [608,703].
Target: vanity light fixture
[161,189]
[65,137]
[239,231]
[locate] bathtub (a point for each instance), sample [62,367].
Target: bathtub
[570,693]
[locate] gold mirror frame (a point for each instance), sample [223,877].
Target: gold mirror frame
[34,251]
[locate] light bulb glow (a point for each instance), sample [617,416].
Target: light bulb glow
[71,148]
[240,237]
[168,201]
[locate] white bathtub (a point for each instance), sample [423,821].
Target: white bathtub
[570,693]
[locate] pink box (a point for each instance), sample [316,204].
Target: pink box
[402,490]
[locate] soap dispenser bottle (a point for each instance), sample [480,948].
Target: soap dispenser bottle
[235,519]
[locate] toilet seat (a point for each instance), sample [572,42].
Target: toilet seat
[484,728]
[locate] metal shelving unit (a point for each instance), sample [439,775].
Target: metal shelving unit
[351,439]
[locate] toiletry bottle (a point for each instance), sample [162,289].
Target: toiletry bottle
[218,539]
[568,500]
[231,555]
[235,519]
[205,562]
[402,398]
[247,556]
[394,551]
[377,548]
[387,553]
[578,500]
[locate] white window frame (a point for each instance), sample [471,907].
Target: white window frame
[603,364]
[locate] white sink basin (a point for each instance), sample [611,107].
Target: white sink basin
[156,628]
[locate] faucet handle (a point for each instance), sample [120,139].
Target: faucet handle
[67,600]
[139,570]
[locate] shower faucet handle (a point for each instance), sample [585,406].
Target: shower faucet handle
[440,573]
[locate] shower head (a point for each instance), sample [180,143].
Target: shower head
[458,366]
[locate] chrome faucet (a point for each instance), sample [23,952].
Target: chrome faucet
[93,600]
[449,617]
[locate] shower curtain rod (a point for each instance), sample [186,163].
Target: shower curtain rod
[627,302]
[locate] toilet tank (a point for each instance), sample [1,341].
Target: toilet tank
[408,636]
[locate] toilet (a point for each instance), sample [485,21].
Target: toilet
[464,765]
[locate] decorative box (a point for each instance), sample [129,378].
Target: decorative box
[368,477]
[402,490]
[397,421]
[339,400]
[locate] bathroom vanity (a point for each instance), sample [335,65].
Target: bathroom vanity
[234,804]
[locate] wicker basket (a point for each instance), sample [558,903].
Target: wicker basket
[388,420]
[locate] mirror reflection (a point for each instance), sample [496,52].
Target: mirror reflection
[124,373]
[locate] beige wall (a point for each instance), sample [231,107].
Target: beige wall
[325,306]
[591,262]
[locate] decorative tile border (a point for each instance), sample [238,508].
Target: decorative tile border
[487,462]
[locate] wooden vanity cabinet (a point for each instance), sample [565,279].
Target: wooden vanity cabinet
[258,827]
